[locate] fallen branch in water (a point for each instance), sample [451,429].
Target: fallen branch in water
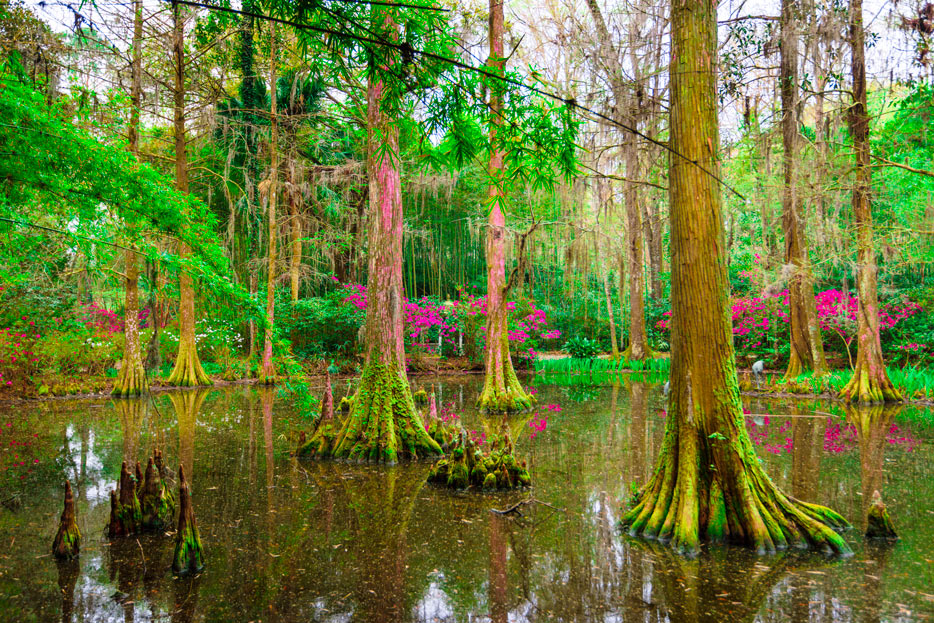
[515,507]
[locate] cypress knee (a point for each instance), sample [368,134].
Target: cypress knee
[189,555]
[67,541]
[878,523]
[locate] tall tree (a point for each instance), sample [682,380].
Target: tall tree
[807,347]
[501,391]
[269,371]
[870,382]
[708,483]
[131,381]
[383,424]
[187,371]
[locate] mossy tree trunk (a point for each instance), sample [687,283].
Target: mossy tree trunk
[708,482]
[67,542]
[806,347]
[132,378]
[501,391]
[189,554]
[131,381]
[870,383]
[383,425]
[188,371]
[269,371]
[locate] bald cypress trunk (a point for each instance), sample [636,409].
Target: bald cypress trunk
[132,378]
[269,371]
[807,348]
[501,391]
[870,383]
[708,483]
[383,424]
[188,371]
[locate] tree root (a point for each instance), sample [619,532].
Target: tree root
[867,388]
[383,425]
[468,467]
[67,542]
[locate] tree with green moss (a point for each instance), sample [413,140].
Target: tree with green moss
[870,382]
[502,390]
[708,483]
[383,424]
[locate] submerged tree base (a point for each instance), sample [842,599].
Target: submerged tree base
[188,371]
[383,425]
[67,542]
[878,523]
[131,382]
[867,387]
[189,555]
[468,468]
[738,504]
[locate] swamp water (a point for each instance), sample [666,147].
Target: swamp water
[291,540]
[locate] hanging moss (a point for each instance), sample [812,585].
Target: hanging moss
[157,509]
[467,467]
[125,513]
[67,542]
[189,554]
[878,523]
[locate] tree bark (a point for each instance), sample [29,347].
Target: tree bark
[708,483]
[806,348]
[870,383]
[383,424]
[501,391]
[188,371]
[132,378]
[269,370]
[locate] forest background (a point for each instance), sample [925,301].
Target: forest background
[164,173]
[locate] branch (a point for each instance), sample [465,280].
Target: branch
[899,165]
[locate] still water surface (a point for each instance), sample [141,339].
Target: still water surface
[290,540]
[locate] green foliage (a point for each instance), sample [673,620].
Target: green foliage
[320,327]
[579,347]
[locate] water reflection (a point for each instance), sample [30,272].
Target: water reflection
[293,540]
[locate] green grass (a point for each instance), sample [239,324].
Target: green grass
[569,365]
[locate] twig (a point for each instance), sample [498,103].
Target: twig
[531,500]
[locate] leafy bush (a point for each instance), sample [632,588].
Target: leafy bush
[320,326]
[580,347]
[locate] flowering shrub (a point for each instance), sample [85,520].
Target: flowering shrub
[18,359]
[102,320]
[426,320]
[759,323]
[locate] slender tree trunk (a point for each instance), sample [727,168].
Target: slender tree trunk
[156,316]
[870,383]
[188,371]
[269,370]
[638,348]
[383,424]
[295,226]
[707,483]
[805,352]
[132,378]
[602,199]
[501,391]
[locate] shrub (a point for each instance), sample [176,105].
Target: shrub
[580,347]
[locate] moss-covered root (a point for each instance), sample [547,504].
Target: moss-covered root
[67,542]
[188,371]
[508,397]
[383,425]
[189,555]
[345,404]
[157,509]
[878,523]
[467,467]
[325,431]
[677,506]
[166,476]
[125,512]
[870,385]
[131,382]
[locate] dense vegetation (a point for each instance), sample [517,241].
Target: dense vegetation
[363,187]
